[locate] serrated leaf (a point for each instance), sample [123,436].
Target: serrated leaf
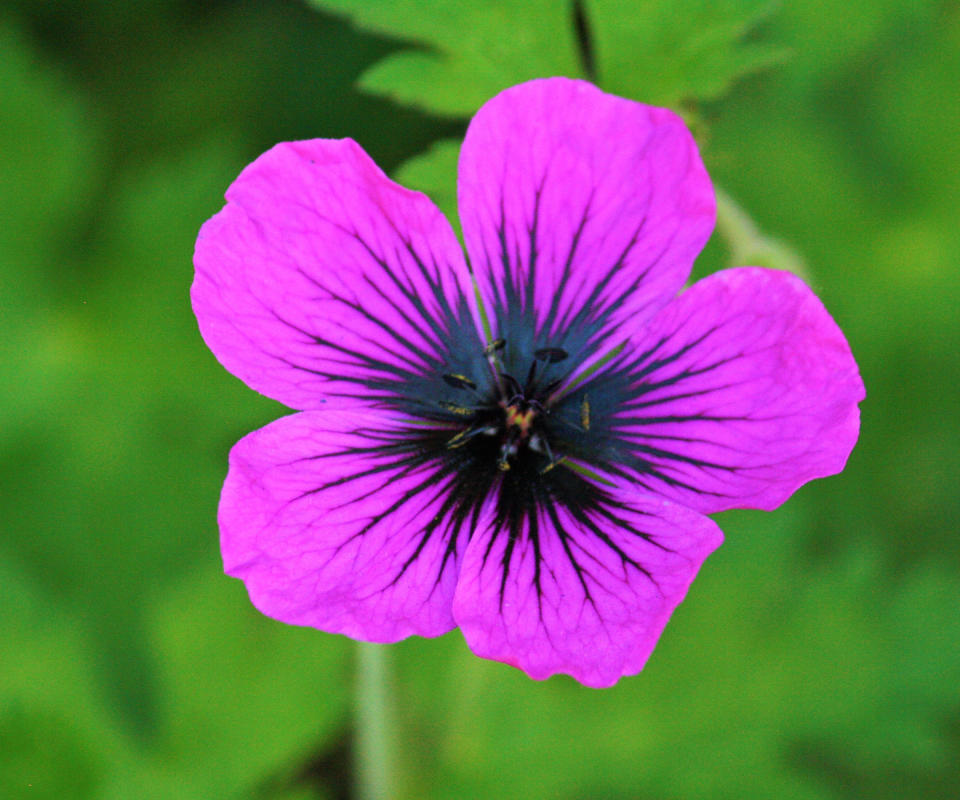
[669,52]
[465,52]
[659,51]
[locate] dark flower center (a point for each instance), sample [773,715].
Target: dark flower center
[517,415]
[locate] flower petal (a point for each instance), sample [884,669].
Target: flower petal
[322,277]
[587,207]
[744,389]
[586,592]
[334,520]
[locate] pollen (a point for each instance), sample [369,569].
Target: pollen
[458,441]
[459,381]
[453,408]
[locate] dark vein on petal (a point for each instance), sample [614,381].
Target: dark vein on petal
[390,331]
[533,252]
[568,267]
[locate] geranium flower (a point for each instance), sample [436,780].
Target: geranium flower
[525,447]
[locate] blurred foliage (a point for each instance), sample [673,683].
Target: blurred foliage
[664,51]
[816,656]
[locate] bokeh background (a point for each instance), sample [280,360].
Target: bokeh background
[817,656]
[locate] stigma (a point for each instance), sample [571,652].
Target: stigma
[520,417]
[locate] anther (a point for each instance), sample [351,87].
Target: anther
[453,408]
[459,440]
[465,436]
[494,346]
[459,381]
[550,354]
[552,464]
[585,413]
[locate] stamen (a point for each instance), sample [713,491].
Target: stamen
[547,391]
[465,436]
[550,456]
[552,464]
[585,413]
[551,354]
[513,384]
[507,451]
[494,346]
[459,381]
[453,408]
[530,374]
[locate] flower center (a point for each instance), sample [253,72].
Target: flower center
[515,413]
[520,415]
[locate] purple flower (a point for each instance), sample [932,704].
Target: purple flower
[535,466]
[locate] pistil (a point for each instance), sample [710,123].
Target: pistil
[519,416]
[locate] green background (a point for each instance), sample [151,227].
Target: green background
[817,655]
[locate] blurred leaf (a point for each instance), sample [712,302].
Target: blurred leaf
[242,696]
[48,160]
[48,146]
[57,738]
[108,425]
[826,38]
[109,387]
[111,507]
[668,53]
[849,180]
[758,658]
[906,109]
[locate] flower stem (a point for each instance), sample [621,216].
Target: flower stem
[372,773]
[748,245]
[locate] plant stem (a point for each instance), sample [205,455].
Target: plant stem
[748,245]
[372,773]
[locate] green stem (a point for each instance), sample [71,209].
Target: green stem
[748,245]
[372,772]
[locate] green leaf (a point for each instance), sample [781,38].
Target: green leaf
[57,736]
[671,52]
[253,695]
[48,142]
[827,38]
[435,174]
[667,52]
[767,653]
[465,52]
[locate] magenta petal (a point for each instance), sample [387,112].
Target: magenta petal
[322,277]
[589,594]
[572,199]
[331,523]
[746,390]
